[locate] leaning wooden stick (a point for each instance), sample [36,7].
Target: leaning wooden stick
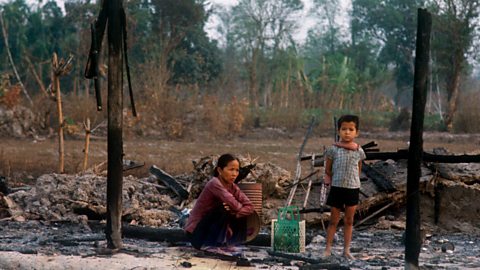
[87,143]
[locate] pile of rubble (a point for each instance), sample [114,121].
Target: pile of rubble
[78,198]
[447,192]
[274,179]
[17,122]
[146,201]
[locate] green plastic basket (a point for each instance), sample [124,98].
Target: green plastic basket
[286,230]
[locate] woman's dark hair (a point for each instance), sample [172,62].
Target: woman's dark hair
[348,118]
[223,161]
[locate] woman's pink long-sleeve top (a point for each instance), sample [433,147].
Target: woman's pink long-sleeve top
[214,195]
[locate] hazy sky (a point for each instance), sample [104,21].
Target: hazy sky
[211,25]
[299,36]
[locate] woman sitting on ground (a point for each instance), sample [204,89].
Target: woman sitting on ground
[219,215]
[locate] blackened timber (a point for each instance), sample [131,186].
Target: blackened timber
[170,182]
[383,183]
[325,264]
[155,234]
[115,126]
[415,153]
[176,236]
[400,154]
[427,157]
[369,145]
[450,158]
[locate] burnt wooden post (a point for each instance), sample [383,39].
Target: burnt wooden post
[415,153]
[115,125]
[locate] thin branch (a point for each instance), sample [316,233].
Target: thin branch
[5,38]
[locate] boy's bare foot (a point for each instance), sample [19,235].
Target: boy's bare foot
[348,256]
[327,253]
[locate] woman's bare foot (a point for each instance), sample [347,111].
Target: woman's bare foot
[348,256]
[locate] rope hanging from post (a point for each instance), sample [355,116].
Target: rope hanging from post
[92,68]
[125,55]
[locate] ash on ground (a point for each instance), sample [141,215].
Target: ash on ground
[63,215]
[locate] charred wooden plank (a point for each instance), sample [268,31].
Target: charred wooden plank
[244,171]
[374,214]
[400,154]
[130,164]
[369,145]
[380,180]
[315,263]
[451,158]
[4,188]
[170,182]
[175,235]
[428,157]
[328,266]
[155,234]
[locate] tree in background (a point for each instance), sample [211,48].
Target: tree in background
[392,25]
[455,28]
[344,71]
[261,28]
[336,69]
[196,59]
[16,18]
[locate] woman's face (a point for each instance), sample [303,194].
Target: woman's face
[230,172]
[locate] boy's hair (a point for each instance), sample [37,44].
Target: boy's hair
[348,118]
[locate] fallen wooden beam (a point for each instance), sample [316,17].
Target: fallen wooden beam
[383,183]
[177,235]
[374,214]
[130,164]
[316,263]
[321,266]
[428,157]
[170,182]
[155,234]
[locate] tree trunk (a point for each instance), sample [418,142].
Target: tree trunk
[415,154]
[36,76]
[453,89]
[253,91]
[10,58]
[115,125]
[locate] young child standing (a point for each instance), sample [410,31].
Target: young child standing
[343,162]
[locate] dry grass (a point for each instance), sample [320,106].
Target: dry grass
[467,119]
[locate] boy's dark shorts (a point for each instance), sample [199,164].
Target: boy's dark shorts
[340,197]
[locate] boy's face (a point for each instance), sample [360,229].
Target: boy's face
[348,131]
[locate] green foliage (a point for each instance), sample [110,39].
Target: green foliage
[392,25]
[196,59]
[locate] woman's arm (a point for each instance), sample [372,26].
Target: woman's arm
[238,202]
[247,206]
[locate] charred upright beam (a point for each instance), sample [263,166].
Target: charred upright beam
[115,126]
[415,153]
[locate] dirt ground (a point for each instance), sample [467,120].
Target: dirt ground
[26,159]
[23,161]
